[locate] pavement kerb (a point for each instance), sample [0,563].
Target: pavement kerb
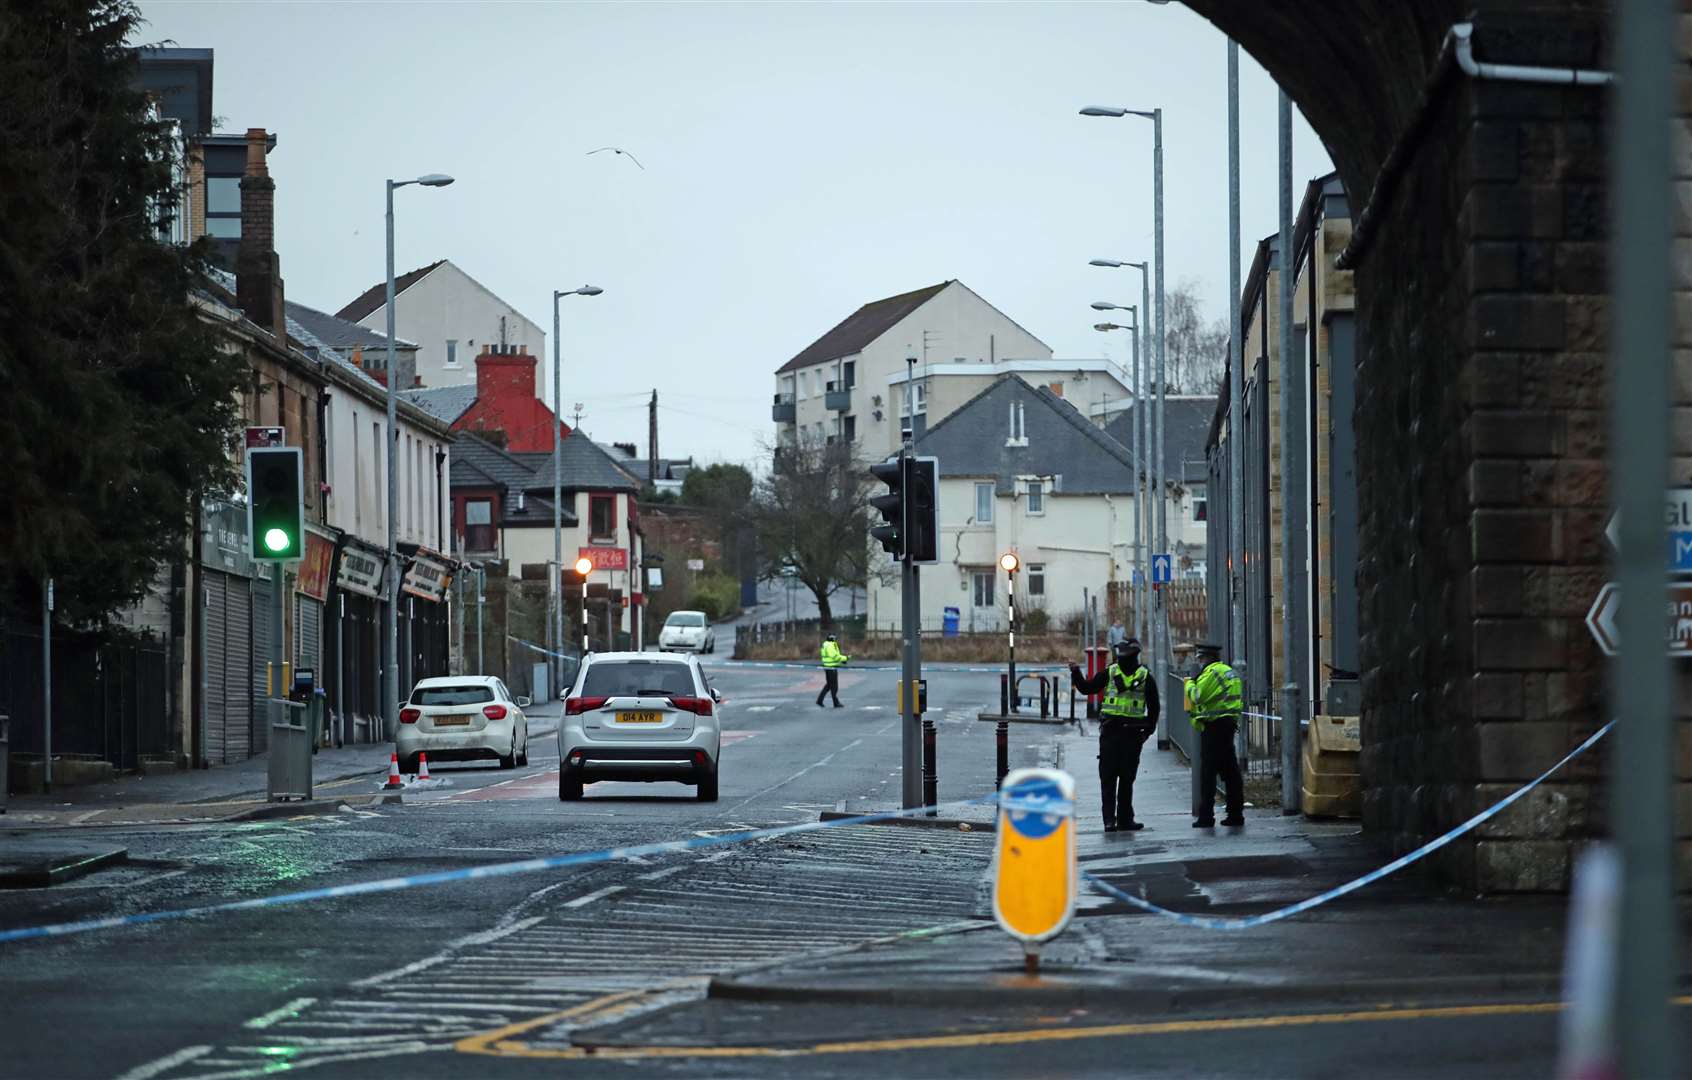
[260,812]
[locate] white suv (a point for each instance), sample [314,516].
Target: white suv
[687,631]
[639,716]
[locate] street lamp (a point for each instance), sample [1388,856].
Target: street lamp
[1141,616]
[392,680]
[1141,433]
[584,567]
[1158,481]
[554,588]
[1009,563]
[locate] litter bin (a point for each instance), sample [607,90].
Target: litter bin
[949,623]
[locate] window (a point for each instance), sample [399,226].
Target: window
[804,385]
[452,353]
[1036,579]
[685,618]
[223,194]
[451,695]
[1201,509]
[632,678]
[921,391]
[224,228]
[478,525]
[602,516]
[1036,497]
[851,374]
[984,503]
[849,428]
[983,588]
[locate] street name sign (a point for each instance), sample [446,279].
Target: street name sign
[1677,520]
[1035,873]
[1677,619]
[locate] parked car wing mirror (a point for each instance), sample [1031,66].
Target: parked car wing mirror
[716,695]
[523,703]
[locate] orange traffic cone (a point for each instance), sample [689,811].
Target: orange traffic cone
[422,765]
[394,782]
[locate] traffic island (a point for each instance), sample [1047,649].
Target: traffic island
[33,861]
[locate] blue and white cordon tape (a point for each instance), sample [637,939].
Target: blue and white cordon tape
[670,847]
[1248,921]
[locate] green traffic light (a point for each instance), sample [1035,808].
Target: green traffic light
[276,540]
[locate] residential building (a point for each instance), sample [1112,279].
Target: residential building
[666,475]
[1327,351]
[501,405]
[453,318]
[850,384]
[1023,470]
[502,512]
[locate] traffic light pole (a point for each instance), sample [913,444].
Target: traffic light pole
[910,743]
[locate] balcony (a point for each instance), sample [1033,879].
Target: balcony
[783,411]
[837,399]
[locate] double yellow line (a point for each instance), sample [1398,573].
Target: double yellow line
[506,1041]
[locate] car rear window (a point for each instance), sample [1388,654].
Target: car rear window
[685,618]
[451,695]
[618,678]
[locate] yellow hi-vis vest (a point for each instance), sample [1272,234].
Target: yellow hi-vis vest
[832,657]
[1217,694]
[1129,703]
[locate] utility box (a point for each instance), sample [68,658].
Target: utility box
[1331,784]
[290,751]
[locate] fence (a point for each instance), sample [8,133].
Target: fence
[111,699]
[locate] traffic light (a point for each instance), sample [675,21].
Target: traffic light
[890,506]
[922,487]
[275,512]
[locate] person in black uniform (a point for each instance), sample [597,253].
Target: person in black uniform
[1127,717]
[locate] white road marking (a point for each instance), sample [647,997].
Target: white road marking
[760,708]
[714,856]
[584,901]
[288,1011]
[166,1063]
[664,873]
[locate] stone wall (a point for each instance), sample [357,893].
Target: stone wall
[1481,421]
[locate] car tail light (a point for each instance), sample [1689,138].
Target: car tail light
[697,705]
[699,757]
[494,712]
[410,716]
[578,705]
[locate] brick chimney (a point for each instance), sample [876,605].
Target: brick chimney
[258,272]
[505,376]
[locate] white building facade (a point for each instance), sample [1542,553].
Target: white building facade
[450,316]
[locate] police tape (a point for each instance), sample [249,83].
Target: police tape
[442,877]
[1248,921]
[540,649]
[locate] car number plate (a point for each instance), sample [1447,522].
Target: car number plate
[450,721]
[640,718]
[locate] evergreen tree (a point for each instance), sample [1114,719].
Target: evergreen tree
[117,403]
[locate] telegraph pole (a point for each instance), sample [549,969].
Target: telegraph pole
[1294,610]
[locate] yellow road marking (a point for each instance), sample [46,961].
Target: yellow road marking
[504,1044]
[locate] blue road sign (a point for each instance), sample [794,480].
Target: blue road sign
[1160,569]
[1678,519]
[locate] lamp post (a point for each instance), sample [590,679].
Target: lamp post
[1141,617]
[1160,647]
[1141,435]
[555,586]
[1009,563]
[391,682]
[584,567]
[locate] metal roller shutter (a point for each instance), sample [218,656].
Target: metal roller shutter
[214,632]
[308,635]
[263,652]
[238,690]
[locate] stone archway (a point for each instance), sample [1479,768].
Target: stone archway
[1481,408]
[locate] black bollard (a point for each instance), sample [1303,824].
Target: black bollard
[930,768]
[1002,737]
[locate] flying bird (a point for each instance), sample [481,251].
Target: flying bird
[619,150]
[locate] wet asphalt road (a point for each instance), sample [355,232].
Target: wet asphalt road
[519,976]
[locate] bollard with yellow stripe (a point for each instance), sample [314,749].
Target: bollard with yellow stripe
[1035,876]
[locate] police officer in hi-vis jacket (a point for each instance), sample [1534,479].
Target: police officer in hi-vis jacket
[1127,717]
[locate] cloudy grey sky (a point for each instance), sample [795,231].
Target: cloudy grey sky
[801,159]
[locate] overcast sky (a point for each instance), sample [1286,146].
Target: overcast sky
[800,160]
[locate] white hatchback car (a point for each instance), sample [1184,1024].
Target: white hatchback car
[687,631]
[639,716]
[463,718]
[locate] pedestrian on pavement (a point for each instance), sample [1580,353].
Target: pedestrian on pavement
[832,661]
[1215,700]
[1116,633]
[1128,716]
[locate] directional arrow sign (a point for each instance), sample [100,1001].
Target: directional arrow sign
[1677,619]
[1677,519]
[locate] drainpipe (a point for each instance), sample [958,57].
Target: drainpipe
[1457,52]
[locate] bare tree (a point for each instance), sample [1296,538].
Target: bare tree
[1196,349]
[811,516]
